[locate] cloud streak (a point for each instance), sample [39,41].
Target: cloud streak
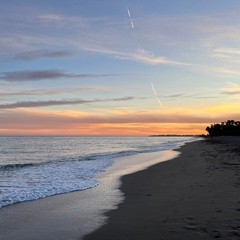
[234,90]
[173,116]
[52,74]
[35,104]
[57,91]
[232,51]
[141,55]
[177,120]
[33,55]
[228,54]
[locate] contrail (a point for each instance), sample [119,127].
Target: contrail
[153,89]
[129,15]
[156,95]
[132,24]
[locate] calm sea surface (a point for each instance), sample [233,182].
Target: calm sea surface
[38,167]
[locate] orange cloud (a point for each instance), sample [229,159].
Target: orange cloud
[164,121]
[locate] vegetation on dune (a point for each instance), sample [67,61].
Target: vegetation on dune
[228,128]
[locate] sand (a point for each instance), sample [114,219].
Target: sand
[193,196]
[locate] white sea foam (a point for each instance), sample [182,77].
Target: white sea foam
[33,168]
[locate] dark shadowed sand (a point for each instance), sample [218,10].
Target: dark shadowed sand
[195,196]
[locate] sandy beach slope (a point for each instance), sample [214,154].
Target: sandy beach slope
[195,196]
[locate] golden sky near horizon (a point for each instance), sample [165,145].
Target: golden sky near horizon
[118,67]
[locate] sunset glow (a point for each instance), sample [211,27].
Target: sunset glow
[85,68]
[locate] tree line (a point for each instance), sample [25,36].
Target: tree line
[228,128]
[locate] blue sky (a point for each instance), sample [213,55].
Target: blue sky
[118,67]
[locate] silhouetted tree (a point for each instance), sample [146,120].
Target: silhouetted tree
[228,128]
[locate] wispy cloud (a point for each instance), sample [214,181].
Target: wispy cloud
[140,55]
[229,54]
[27,75]
[177,115]
[48,92]
[233,72]
[233,90]
[34,104]
[26,42]
[51,18]
[173,96]
[206,97]
[148,57]
[62,20]
[33,55]
[181,95]
[155,30]
[232,51]
[159,32]
[177,120]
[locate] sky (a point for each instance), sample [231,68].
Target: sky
[118,67]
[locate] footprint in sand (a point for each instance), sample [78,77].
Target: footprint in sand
[234,233]
[216,234]
[194,226]
[218,210]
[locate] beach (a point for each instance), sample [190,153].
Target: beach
[193,196]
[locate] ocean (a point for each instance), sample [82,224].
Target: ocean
[38,167]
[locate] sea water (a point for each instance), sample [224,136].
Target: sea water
[38,167]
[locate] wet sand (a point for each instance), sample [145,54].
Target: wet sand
[71,216]
[194,196]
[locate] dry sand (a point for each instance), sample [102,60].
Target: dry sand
[195,196]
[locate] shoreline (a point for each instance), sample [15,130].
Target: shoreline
[73,215]
[194,196]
